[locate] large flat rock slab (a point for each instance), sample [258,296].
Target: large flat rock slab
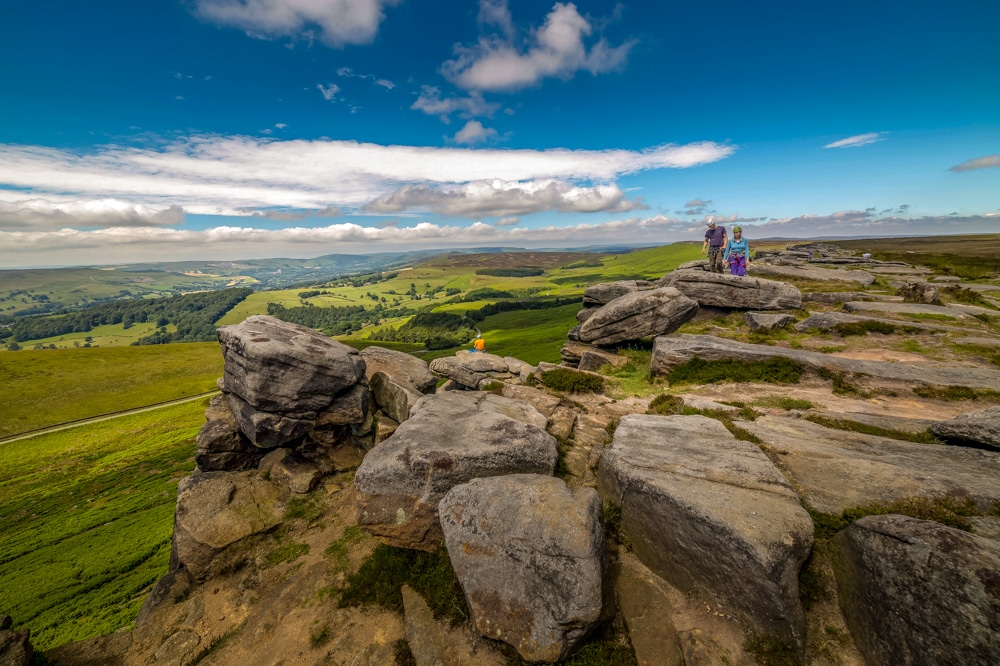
[449,439]
[906,308]
[839,469]
[672,350]
[980,429]
[529,554]
[824,321]
[638,314]
[711,514]
[813,273]
[918,592]
[732,291]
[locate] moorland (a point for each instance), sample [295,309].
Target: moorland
[87,511]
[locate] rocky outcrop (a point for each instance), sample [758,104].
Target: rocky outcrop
[395,398]
[838,469]
[711,514]
[672,350]
[763,321]
[15,645]
[918,592]
[400,367]
[637,315]
[475,370]
[221,443]
[281,379]
[602,294]
[529,555]
[732,291]
[284,468]
[832,297]
[449,439]
[217,509]
[588,357]
[919,292]
[980,429]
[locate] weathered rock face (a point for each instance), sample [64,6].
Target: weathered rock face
[762,321]
[529,555]
[838,469]
[217,509]
[221,444]
[672,350]
[395,398]
[475,370]
[919,292]
[449,439]
[980,429]
[637,315]
[710,513]
[918,592]
[400,366]
[281,367]
[604,293]
[15,646]
[280,377]
[731,291]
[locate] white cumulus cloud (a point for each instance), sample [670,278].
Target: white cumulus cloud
[474,132]
[47,213]
[329,91]
[556,49]
[335,22]
[499,198]
[432,103]
[234,175]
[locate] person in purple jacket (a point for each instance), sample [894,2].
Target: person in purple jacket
[715,245]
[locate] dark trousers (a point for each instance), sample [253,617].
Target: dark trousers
[715,259]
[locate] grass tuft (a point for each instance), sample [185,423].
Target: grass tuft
[841,386]
[956,393]
[848,329]
[571,381]
[770,651]
[925,437]
[307,509]
[380,579]
[772,371]
[783,402]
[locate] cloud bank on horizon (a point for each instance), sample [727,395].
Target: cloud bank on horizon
[317,126]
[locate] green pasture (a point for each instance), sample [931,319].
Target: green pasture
[76,287]
[87,517]
[649,264]
[530,335]
[109,335]
[43,388]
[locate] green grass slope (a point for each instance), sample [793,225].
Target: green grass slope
[87,517]
[43,388]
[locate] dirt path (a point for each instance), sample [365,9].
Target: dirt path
[102,417]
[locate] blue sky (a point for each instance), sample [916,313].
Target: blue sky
[225,129]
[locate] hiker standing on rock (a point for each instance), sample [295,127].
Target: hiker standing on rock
[715,244]
[737,252]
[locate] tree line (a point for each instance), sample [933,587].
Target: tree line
[193,316]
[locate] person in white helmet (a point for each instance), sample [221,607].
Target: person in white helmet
[714,245]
